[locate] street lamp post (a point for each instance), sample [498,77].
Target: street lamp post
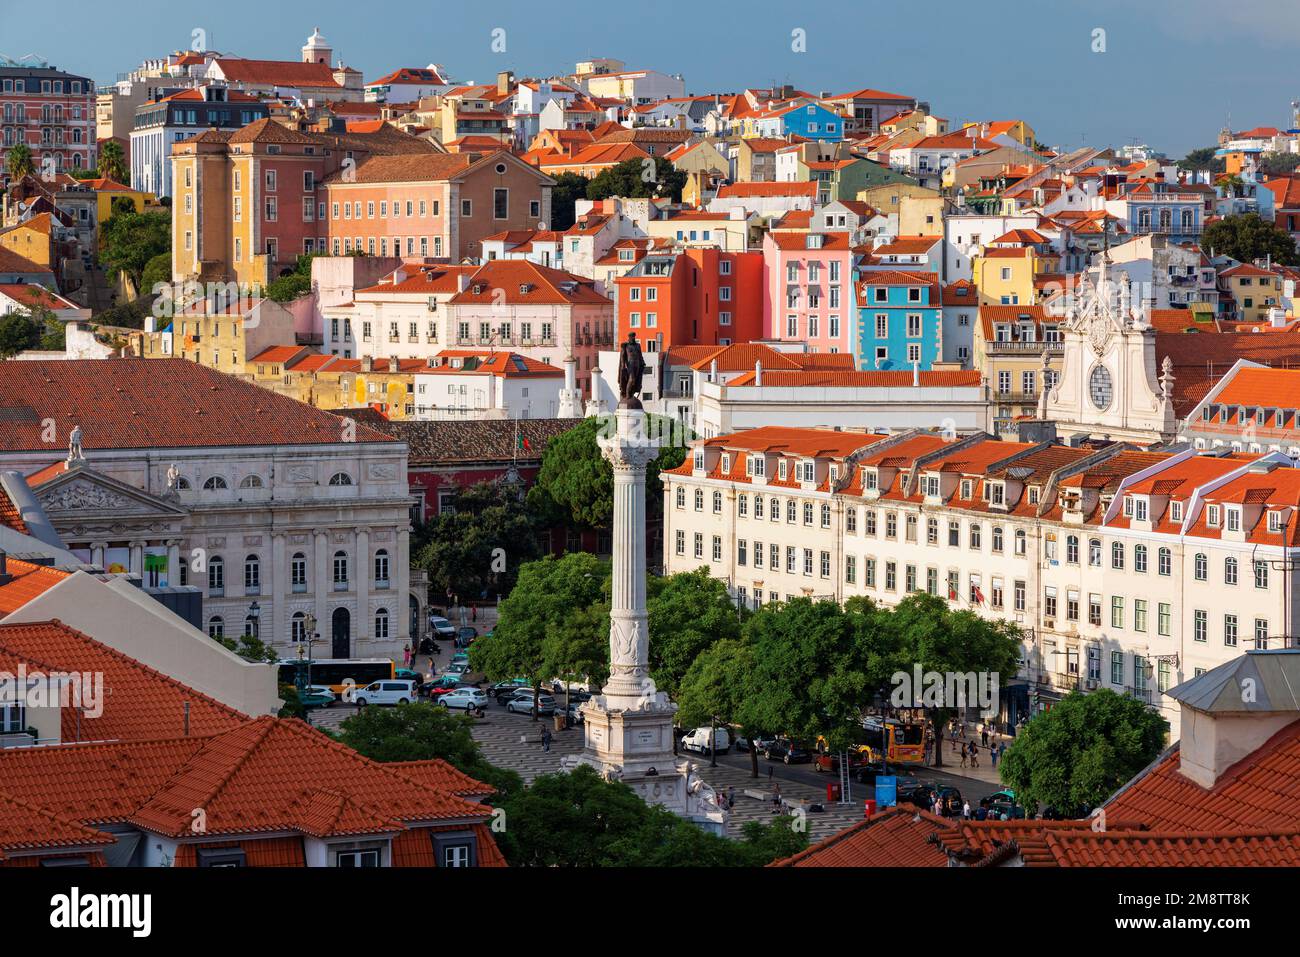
[255,614]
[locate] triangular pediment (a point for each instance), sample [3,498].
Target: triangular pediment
[83,491]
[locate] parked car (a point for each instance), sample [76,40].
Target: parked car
[1005,796]
[831,761]
[467,698]
[465,636]
[442,627]
[520,692]
[545,705]
[575,714]
[428,646]
[386,692]
[503,691]
[409,674]
[788,752]
[458,670]
[760,742]
[1004,811]
[698,741]
[949,799]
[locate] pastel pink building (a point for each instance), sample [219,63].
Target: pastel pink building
[809,289]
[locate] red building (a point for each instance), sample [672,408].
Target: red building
[50,110]
[699,296]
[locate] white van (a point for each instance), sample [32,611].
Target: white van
[698,740]
[395,691]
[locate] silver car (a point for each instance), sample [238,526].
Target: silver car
[524,705]
[467,698]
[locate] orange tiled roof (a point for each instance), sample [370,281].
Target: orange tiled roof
[546,286]
[203,408]
[753,190]
[28,582]
[896,837]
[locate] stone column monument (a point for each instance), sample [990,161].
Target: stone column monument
[629,725]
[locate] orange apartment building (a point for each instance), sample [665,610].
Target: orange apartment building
[440,205]
[700,296]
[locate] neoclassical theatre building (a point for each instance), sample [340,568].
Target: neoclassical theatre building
[279,512]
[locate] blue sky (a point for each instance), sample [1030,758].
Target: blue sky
[1172,73]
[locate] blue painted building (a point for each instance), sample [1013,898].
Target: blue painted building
[810,120]
[900,319]
[1153,206]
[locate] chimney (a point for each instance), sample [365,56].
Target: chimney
[367,364]
[1231,711]
[916,374]
[713,371]
[504,81]
[758,372]
[5,577]
[392,364]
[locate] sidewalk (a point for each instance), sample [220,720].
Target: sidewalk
[986,772]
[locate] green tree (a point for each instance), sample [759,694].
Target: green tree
[568,189]
[19,162]
[1278,164]
[1076,755]
[576,484]
[580,820]
[717,687]
[295,283]
[1202,159]
[156,271]
[293,706]
[932,635]
[639,178]
[688,612]
[251,648]
[479,547]
[538,635]
[1248,237]
[131,239]
[422,732]
[112,162]
[815,666]
[19,331]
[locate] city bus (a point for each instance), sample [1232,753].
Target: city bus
[901,742]
[335,672]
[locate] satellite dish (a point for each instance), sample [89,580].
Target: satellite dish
[541,227]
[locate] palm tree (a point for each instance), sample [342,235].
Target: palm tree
[112,162]
[19,163]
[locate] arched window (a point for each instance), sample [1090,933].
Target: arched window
[1094,552]
[216,576]
[1202,567]
[381,623]
[1020,541]
[1072,549]
[298,627]
[215,482]
[340,571]
[1117,555]
[251,481]
[681,497]
[183,483]
[1164,560]
[381,568]
[1140,558]
[216,627]
[250,626]
[1230,571]
[298,572]
[252,575]
[340,478]
[699,500]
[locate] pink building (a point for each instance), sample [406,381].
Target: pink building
[809,289]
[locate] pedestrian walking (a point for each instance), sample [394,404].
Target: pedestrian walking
[964,755]
[769,773]
[993,755]
[776,800]
[974,755]
[965,811]
[934,803]
[984,737]
[546,739]
[731,798]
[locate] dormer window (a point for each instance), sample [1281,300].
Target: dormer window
[1275,521]
[870,479]
[726,463]
[930,486]
[1212,516]
[1233,519]
[835,472]
[966,488]
[1175,511]
[1033,495]
[699,461]
[994,493]
[758,466]
[1128,506]
[783,470]
[1140,509]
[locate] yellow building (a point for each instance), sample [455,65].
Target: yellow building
[32,239]
[888,197]
[1009,343]
[1254,291]
[1018,130]
[226,339]
[107,192]
[1005,275]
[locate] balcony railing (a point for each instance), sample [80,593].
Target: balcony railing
[1172,229]
[1021,347]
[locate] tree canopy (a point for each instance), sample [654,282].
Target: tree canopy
[687,612]
[575,485]
[421,732]
[112,162]
[130,239]
[479,547]
[1202,159]
[19,161]
[580,820]
[1074,756]
[1248,237]
[639,178]
[31,327]
[568,189]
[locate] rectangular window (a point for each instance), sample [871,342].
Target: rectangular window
[500,203]
[1116,611]
[1200,625]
